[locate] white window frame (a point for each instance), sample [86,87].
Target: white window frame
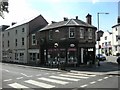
[82,32]
[70,32]
[34,39]
[90,33]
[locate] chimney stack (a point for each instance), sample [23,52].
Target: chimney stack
[89,19]
[76,17]
[65,19]
[118,20]
[13,23]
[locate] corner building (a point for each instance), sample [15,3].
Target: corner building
[71,41]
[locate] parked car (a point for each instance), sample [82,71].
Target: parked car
[101,57]
[118,60]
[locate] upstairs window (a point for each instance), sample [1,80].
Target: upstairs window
[105,37]
[50,35]
[23,29]
[3,35]
[22,41]
[15,31]
[71,32]
[8,33]
[116,38]
[89,33]
[33,39]
[15,42]
[8,43]
[81,32]
[3,44]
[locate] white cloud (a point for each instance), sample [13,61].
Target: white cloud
[18,11]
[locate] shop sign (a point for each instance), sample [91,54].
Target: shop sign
[90,49]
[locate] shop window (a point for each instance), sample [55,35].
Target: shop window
[71,32]
[16,56]
[72,57]
[30,56]
[21,56]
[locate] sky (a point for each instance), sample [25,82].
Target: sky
[56,10]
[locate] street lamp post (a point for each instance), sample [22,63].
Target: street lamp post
[99,32]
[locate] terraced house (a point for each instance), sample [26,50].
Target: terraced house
[17,41]
[71,41]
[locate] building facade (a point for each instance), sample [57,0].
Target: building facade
[2,28]
[116,38]
[16,40]
[71,41]
[106,43]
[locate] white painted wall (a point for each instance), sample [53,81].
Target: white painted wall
[12,36]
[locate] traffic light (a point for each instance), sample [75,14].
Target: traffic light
[99,46]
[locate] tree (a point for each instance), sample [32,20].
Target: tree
[3,7]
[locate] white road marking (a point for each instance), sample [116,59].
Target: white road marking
[16,85]
[83,86]
[38,75]
[19,78]
[6,70]
[29,76]
[53,80]
[23,74]
[40,84]
[64,78]
[7,80]
[100,79]
[26,75]
[93,82]
[105,77]
[46,73]
[81,74]
[74,76]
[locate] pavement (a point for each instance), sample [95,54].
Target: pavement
[106,68]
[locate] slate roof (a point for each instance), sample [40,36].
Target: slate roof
[23,22]
[69,22]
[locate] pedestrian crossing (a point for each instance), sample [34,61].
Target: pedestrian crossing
[51,81]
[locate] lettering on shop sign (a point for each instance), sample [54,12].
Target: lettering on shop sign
[90,49]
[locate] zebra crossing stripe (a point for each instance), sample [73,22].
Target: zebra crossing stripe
[82,74]
[40,84]
[64,78]
[73,76]
[53,80]
[17,85]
